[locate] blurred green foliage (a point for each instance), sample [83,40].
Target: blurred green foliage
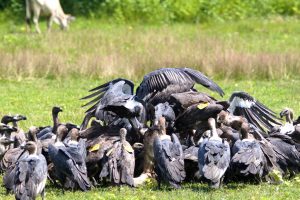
[166,11]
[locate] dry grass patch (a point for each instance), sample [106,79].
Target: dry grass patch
[131,51]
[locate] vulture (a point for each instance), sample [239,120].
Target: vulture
[248,158]
[5,141]
[157,86]
[30,174]
[181,101]
[288,149]
[257,114]
[168,158]
[69,162]
[213,157]
[117,99]
[197,115]
[12,156]
[119,162]
[48,132]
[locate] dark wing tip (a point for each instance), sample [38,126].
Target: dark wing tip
[243,95]
[200,78]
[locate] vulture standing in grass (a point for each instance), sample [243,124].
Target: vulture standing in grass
[285,146]
[69,162]
[30,174]
[168,157]
[248,158]
[12,156]
[213,157]
[282,140]
[119,162]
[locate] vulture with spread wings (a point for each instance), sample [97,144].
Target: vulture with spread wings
[257,114]
[117,98]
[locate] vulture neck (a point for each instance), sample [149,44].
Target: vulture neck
[245,134]
[289,118]
[122,139]
[213,129]
[74,135]
[245,131]
[32,136]
[15,124]
[59,137]
[55,122]
[163,129]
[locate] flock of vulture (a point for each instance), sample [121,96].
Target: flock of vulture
[166,130]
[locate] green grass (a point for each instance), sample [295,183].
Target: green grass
[35,97]
[288,190]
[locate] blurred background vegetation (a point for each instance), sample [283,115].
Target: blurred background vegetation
[166,11]
[254,39]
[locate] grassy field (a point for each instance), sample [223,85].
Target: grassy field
[57,68]
[246,49]
[35,97]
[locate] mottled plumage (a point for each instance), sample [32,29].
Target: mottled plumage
[169,160]
[213,157]
[248,158]
[69,163]
[119,163]
[30,174]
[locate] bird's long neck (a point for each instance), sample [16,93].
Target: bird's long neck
[245,131]
[214,132]
[15,124]
[122,139]
[55,122]
[58,137]
[163,129]
[289,119]
[212,127]
[32,136]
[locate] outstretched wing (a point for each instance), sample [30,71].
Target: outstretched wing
[257,114]
[100,91]
[173,80]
